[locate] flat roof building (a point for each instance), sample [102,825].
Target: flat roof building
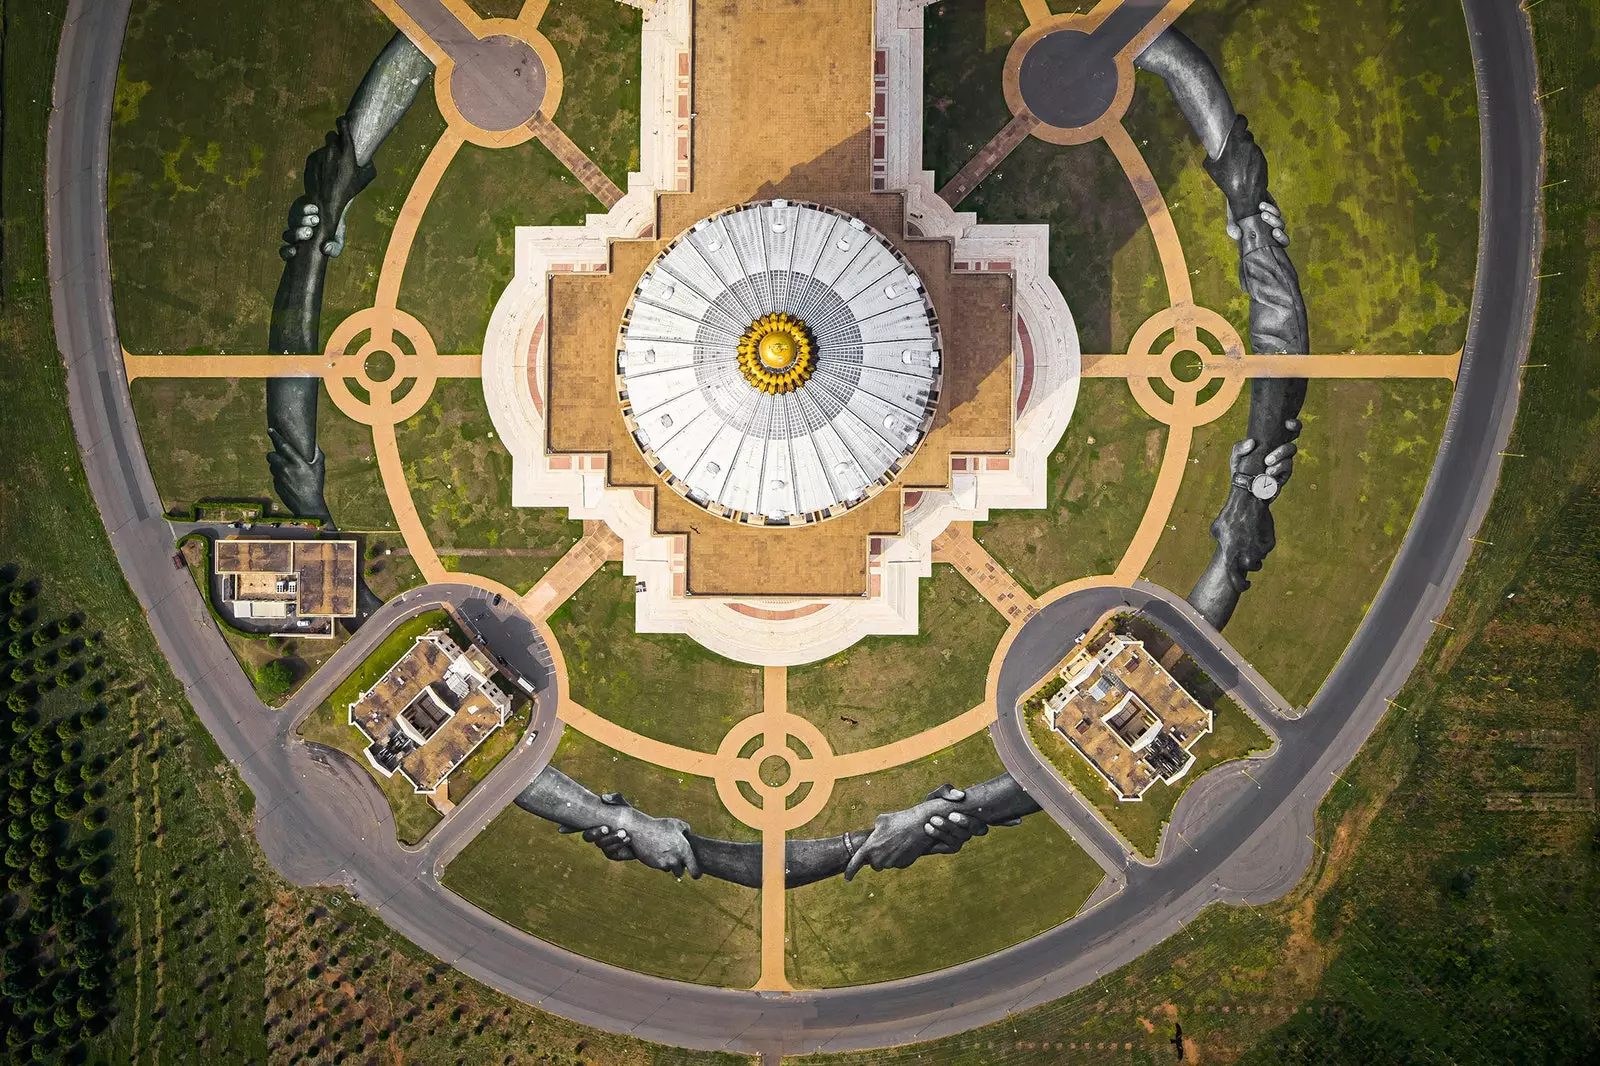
[430,710]
[1127,716]
[298,586]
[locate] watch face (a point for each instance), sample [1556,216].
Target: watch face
[1264,487]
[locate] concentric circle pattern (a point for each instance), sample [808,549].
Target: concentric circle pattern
[775,353]
[746,436]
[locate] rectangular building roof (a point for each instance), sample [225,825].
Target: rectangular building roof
[324,573]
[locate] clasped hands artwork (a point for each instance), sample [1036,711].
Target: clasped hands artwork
[949,817]
[939,825]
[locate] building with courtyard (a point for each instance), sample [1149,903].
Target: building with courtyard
[1128,717]
[430,710]
[287,586]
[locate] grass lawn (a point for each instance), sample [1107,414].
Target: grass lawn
[1233,736]
[1431,929]
[599,45]
[1365,455]
[567,892]
[195,896]
[207,439]
[1010,884]
[214,121]
[885,688]
[1223,984]
[201,178]
[1101,476]
[463,256]
[373,990]
[466,776]
[460,476]
[663,685]
[330,723]
[388,575]
[1371,133]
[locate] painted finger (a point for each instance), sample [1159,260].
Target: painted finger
[969,825]
[944,834]
[857,861]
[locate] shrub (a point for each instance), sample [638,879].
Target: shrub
[276,678]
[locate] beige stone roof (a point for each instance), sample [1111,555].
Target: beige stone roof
[1104,687]
[427,665]
[324,572]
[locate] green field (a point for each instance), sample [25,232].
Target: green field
[885,688]
[663,685]
[1431,929]
[1365,455]
[1101,476]
[462,258]
[996,891]
[1372,138]
[330,723]
[558,888]
[207,439]
[200,179]
[460,476]
[196,899]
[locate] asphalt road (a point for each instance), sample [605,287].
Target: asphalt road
[321,820]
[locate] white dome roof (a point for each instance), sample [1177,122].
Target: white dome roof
[846,429]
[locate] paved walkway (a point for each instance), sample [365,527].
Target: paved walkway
[1273,365]
[957,547]
[573,158]
[990,156]
[597,547]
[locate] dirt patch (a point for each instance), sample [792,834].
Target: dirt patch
[1152,448]
[1075,488]
[1106,470]
[1303,956]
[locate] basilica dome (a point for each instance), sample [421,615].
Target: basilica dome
[779,363]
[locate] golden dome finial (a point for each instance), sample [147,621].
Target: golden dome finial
[775,354]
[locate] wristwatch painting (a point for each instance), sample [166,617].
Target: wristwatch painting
[1262,486]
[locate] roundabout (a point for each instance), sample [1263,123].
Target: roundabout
[1246,850]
